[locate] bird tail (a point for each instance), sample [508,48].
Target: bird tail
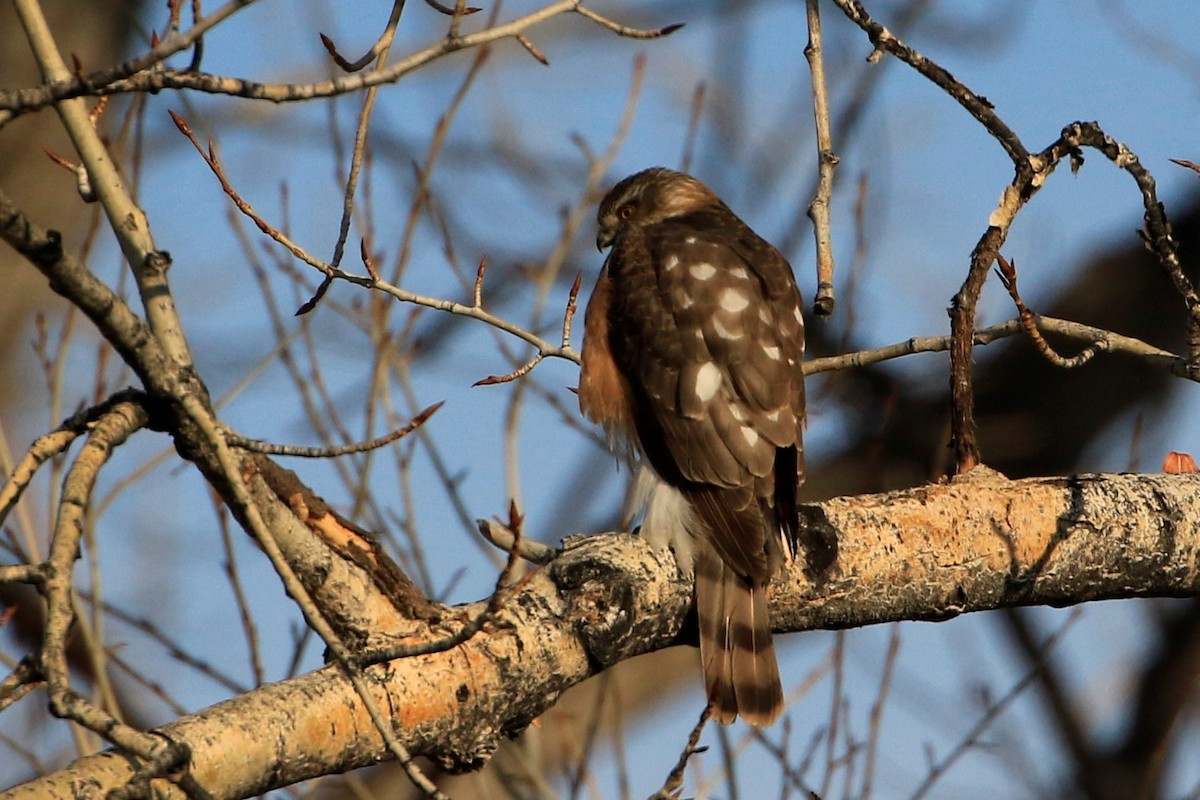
[741,675]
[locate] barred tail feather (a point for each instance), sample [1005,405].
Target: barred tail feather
[741,675]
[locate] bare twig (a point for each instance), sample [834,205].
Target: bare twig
[20,682]
[144,79]
[299,451]
[548,350]
[832,762]
[378,51]
[1031,172]
[360,62]
[881,698]
[625,30]
[449,12]
[239,594]
[962,315]
[80,85]
[1076,331]
[128,222]
[940,767]
[827,160]
[1007,273]
[424,171]
[547,276]
[569,313]
[477,291]
[523,40]
[173,648]
[674,782]
[693,128]
[51,444]
[505,588]
[214,163]
[110,430]
[978,107]
[519,372]
[506,539]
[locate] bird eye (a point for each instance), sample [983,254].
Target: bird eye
[625,211]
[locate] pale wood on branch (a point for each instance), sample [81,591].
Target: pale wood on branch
[979,542]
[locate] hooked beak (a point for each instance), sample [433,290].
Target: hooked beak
[604,239]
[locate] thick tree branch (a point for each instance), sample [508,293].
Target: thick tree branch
[977,543]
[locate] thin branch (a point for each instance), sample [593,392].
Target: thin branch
[674,782]
[504,590]
[1007,273]
[625,30]
[693,128]
[477,290]
[547,349]
[21,681]
[146,80]
[424,171]
[109,431]
[569,313]
[827,160]
[21,573]
[214,164]
[1031,172]
[127,220]
[874,736]
[14,103]
[939,768]
[523,40]
[174,650]
[978,107]
[57,441]
[1076,331]
[379,50]
[230,566]
[519,372]
[509,541]
[300,451]
[450,12]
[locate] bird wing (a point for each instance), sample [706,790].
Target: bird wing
[706,327]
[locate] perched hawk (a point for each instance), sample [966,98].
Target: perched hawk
[691,356]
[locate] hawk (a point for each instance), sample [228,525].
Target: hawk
[692,344]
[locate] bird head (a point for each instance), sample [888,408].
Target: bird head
[648,197]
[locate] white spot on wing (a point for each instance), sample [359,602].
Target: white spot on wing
[702,271]
[684,299]
[772,353]
[738,273]
[736,412]
[764,314]
[724,332]
[799,317]
[734,301]
[690,240]
[670,263]
[773,415]
[708,381]
[750,435]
